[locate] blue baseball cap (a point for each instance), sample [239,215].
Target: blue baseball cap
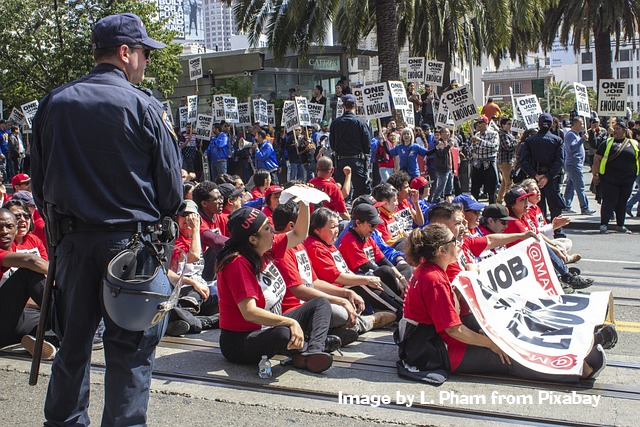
[349,100]
[469,202]
[545,118]
[124,28]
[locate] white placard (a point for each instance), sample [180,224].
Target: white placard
[303,110]
[195,68]
[376,101]
[29,111]
[415,70]
[271,113]
[434,72]
[517,124]
[316,112]
[408,117]
[204,124]
[460,103]
[529,110]
[339,108]
[442,116]
[192,105]
[218,106]
[399,96]
[260,111]
[16,116]
[244,114]
[166,106]
[290,115]
[612,98]
[230,109]
[357,92]
[184,118]
[582,100]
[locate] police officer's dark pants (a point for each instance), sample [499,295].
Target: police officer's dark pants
[15,320]
[359,176]
[249,347]
[551,194]
[487,178]
[82,259]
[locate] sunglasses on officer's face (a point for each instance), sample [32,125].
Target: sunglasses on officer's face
[146,52]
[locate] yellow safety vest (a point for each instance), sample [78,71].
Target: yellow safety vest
[603,162]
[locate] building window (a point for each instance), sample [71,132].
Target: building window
[630,90]
[517,87]
[547,62]
[624,72]
[624,55]
[587,58]
[587,75]
[496,88]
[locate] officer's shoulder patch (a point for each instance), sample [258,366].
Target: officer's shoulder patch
[167,123]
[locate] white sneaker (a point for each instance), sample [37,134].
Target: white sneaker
[48,350]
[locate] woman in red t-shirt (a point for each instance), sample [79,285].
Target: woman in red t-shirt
[250,292]
[430,300]
[25,240]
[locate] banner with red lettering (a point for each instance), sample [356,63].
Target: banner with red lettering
[518,301]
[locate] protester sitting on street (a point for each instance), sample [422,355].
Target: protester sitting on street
[271,200]
[261,181]
[213,225]
[325,183]
[405,212]
[303,285]
[615,168]
[362,256]
[494,220]
[423,186]
[187,190]
[25,240]
[19,317]
[408,152]
[232,198]
[251,289]
[390,229]
[430,303]
[38,222]
[472,210]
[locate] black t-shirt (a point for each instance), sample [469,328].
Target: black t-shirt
[622,166]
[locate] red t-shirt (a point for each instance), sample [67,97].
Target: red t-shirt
[217,224]
[237,282]
[535,214]
[295,268]
[38,224]
[256,193]
[391,230]
[31,245]
[403,215]
[520,225]
[356,252]
[471,248]
[430,300]
[2,268]
[330,188]
[326,260]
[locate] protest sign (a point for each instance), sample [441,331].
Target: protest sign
[303,110]
[460,104]
[408,117]
[399,95]
[529,110]
[29,111]
[230,109]
[339,108]
[517,125]
[415,70]
[290,115]
[442,116]
[518,301]
[16,116]
[376,101]
[204,124]
[166,106]
[260,111]
[434,72]
[192,105]
[244,114]
[218,106]
[316,112]
[357,92]
[271,113]
[195,68]
[184,116]
[612,98]
[582,100]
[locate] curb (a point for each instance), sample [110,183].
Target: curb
[595,226]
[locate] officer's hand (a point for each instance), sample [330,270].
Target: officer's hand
[346,170]
[596,179]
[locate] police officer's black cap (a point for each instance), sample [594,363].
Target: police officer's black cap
[124,28]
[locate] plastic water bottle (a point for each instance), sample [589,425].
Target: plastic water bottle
[264,367]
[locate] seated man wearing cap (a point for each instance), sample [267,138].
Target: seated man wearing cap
[213,224]
[232,198]
[494,220]
[325,183]
[21,181]
[472,210]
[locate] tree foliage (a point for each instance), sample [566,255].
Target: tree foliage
[45,44]
[239,87]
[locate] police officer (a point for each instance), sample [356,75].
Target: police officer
[542,158]
[349,137]
[107,160]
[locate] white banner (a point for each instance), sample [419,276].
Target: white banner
[339,108]
[184,118]
[260,112]
[29,111]
[612,98]
[357,92]
[460,103]
[204,123]
[271,112]
[230,109]
[376,101]
[582,100]
[16,116]
[218,106]
[290,117]
[518,301]
[192,105]
[529,110]
[316,112]
[166,105]
[517,125]
[442,116]
[415,70]
[303,110]
[408,117]
[434,72]
[399,96]
[244,114]
[195,68]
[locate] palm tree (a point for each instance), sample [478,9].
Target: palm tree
[561,98]
[582,19]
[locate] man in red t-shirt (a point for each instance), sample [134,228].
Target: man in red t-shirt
[324,182]
[213,225]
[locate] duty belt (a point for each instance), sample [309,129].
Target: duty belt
[74,225]
[357,156]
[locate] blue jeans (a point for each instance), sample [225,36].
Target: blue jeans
[385,173]
[575,183]
[82,259]
[217,168]
[635,198]
[298,171]
[444,184]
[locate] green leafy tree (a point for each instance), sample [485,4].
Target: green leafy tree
[239,87]
[45,44]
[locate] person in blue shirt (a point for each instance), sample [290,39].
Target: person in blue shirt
[408,152]
[264,156]
[218,152]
